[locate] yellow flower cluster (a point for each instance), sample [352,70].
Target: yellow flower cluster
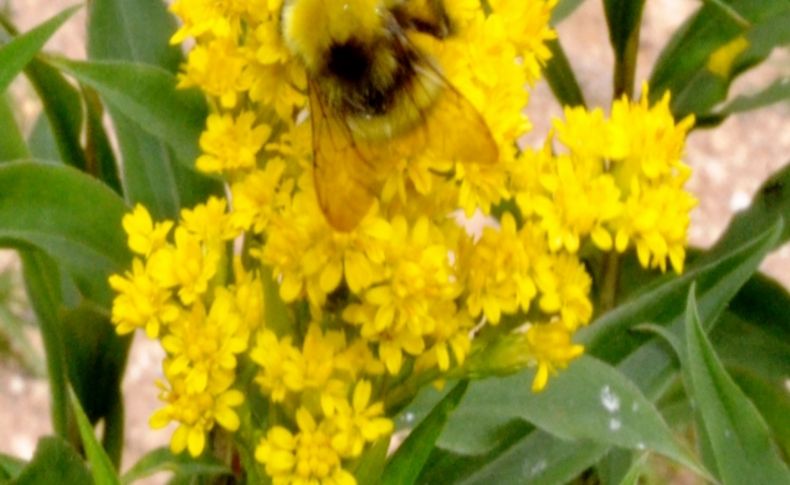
[176,292]
[620,181]
[355,321]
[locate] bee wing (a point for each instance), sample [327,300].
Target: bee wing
[345,181]
[453,129]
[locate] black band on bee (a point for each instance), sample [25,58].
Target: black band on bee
[368,76]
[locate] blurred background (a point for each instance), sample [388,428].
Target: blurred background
[729,163]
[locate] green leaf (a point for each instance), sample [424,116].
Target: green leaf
[147,95]
[369,468]
[407,462]
[563,10]
[132,31]
[623,17]
[41,141]
[718,279]
[15,55]
[538,459]
[10,466]
[590,401]
[42,282]
[70,216]
[101,467]
[99,156]
[753,341]
[54,462]
[739,438]
[139,32]
[688,66]
[162,459]
[561,78]
[96,358]
[63,109]
[778,91]
[12,143]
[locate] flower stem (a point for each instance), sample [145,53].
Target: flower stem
[610,280]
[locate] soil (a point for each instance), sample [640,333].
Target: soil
[729,164]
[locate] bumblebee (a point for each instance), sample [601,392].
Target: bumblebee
[375,97]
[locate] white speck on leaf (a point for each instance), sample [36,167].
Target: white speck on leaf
[609,399]
[615,424]
[532,470]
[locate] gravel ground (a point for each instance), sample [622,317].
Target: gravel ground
[729,164]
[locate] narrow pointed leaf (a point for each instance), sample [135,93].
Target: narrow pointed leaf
[15,55]
[54,462]
[63,110]
[99,157]
[41,141]
[561,78]
[101,467]
[622,17]
[162,459]
[563,10]
[12,143]
[42,282]
[405,465]
[739,438]
[720,42]
[147,95]
[10,466]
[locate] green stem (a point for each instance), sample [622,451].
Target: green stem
[610,280]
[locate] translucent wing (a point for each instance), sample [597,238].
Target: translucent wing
[346,182]
[352,155]
[453,129]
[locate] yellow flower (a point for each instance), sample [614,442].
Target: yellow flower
[218,68]
[196,412]
[355,425]
[581,201]
[209,222]
[564,289]
[200,345]
[498,273]
[656,220]
[188,265]
[257,197]
[141,302]
[399,311]
[230,144]
[145,237]
[304,457]
[550,347]
[203,17]
[274,356]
